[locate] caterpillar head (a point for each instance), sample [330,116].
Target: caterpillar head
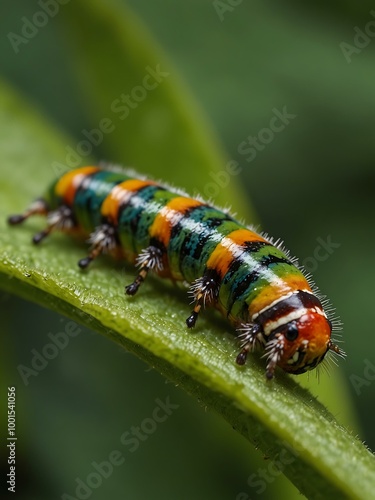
[294,331]
[300,344]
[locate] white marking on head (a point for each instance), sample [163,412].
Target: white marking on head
[280,299]
[270,326]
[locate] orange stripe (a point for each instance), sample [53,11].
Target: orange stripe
[229,249]
[276,290]
[169,216]
[68,184]
[119,195]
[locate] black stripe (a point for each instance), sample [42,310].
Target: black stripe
[240,288]
[286,306]
[134,223]
[130,201]
[254,246]
[210,225]
[135,220]
[154,242]
[177,228]
[83,186]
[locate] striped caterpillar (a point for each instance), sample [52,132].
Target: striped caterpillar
[249,279]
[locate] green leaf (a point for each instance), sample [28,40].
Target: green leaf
[283,420]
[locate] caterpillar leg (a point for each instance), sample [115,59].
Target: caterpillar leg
[274,350]
[150,258]
[204,291]
[102,240]
[250,335]
[38,207]
[61,218]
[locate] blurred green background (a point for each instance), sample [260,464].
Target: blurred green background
[313,182]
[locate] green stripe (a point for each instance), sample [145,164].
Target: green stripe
[88,201]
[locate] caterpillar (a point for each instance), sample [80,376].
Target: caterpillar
[252,280]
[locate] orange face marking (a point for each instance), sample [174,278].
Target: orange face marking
[119,195]
[315,330]
[68,184]
[169,216]
[230,248]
